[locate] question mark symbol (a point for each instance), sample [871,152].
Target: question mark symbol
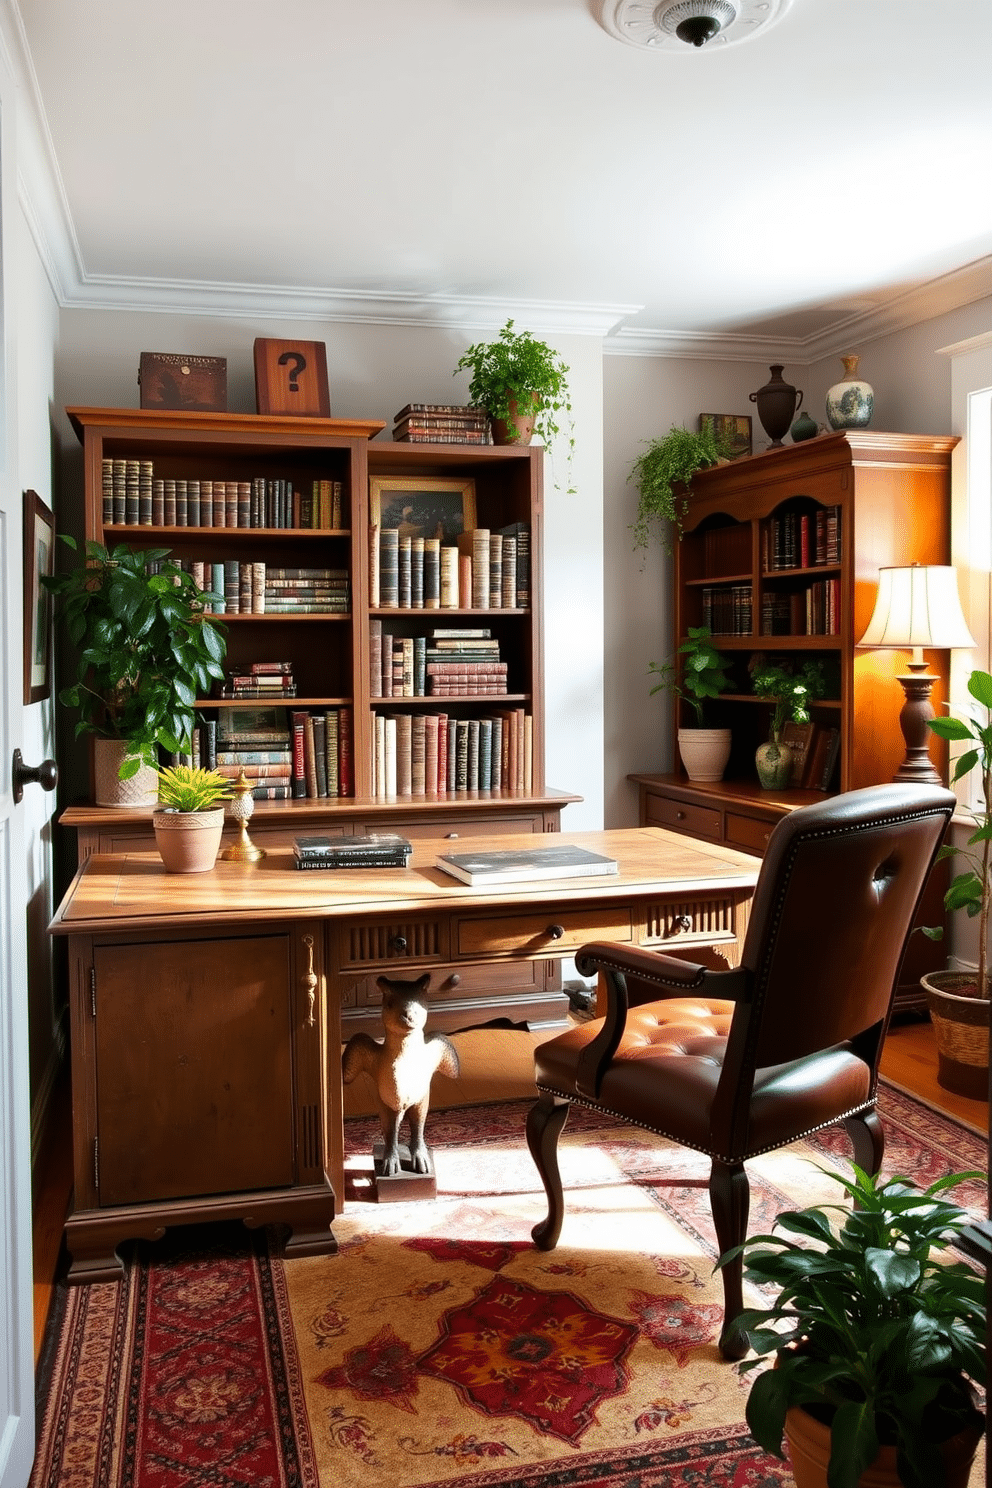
[294,376]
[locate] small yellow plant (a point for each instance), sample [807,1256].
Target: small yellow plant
[189,789]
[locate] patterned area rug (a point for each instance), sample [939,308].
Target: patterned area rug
[439,1347]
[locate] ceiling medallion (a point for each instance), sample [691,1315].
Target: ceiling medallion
[688,25]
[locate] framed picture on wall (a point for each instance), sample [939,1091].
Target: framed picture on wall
[422,506]
[732,432]
[39,549]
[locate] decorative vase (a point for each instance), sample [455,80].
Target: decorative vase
[704,752]
[188,841]
[850,402]
[109,789]
[774,762]
[808,1441]
[803,428]
[519,428]
[777,403]
[961,1032]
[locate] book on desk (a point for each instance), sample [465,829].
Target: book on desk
[371,850]
[522,865]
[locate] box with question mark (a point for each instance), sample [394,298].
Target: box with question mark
[291,377]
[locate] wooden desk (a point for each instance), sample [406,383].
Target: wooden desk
[206,1010]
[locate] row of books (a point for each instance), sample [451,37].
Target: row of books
[815,752]
[238,588]
[481,569]
[802,539]
[287,754]
[447,663]
[133,496]
[727,609]
[441,423]
[813,610]
[430,754]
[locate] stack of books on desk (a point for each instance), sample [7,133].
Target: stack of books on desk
[374,850]
[522,866]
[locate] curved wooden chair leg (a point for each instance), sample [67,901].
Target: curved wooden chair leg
[730,1200]
[544,1126]
[867,1137]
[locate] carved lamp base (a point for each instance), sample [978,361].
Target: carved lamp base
[917,767]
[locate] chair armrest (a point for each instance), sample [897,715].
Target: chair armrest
[670,975]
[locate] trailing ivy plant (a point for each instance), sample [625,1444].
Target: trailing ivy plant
[662,475]
[146,649]
[517,369]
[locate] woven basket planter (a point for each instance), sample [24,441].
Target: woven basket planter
[961,1028]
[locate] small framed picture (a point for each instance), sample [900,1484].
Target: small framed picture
[421,506]
[732,432]
[39,549]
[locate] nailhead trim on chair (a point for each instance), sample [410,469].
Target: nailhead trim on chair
[577,1100]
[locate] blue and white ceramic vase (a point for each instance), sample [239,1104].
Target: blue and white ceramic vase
[850,402]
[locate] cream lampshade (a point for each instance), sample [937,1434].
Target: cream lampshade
[917,607]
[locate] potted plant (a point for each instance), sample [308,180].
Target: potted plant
[146,650]
[876,1338]
[702,674]
[522,384]
[189,822]
[791,693]
[959,1001]
[662,475]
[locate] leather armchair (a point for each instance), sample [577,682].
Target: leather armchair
[742,1061]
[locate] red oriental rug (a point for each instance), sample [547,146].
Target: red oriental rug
[439,1348]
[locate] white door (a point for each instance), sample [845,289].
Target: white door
[16,1327]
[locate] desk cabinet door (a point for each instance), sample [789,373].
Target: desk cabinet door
[193,1045]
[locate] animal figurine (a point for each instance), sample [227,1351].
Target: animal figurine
[401,1067]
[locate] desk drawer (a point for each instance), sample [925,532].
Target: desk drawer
[748,832]
[390,944]
[533,933]
[681,816]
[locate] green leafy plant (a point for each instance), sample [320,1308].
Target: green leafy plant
[190,788]
[146,650]
[701,675]
[662,475]
[971,890]
[791,692]
[517,369]
[872,1330]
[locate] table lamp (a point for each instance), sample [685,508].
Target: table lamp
[917,607]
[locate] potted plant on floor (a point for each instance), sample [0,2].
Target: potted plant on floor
[959,1001]
[876,1339]
[146,650]
[791,694]
[189,821]
[523,386]
[700,674]
[663,474]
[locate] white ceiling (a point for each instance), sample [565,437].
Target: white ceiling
[456,161]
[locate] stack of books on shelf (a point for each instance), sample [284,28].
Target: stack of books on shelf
[483,569]
[441,423]
[373,850]
[802,539]
[235,588]
[430,754]
[260,679]
[727,609]
[257,741]
[322,757]
[447,663]
[133,496]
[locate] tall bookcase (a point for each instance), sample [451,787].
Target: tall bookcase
[780,554]
[330,653]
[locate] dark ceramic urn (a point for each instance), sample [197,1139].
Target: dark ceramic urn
[778,403]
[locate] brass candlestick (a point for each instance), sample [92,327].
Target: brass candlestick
[242,806]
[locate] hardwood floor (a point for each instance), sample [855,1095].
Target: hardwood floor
[908,1060]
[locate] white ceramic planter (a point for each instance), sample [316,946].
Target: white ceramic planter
[704,752]
[109,789]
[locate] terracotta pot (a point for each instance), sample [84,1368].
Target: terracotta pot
[808,1441]
[961,1030]
[519,428]
[774,764]
[704,752]
[109,789]
[188,841]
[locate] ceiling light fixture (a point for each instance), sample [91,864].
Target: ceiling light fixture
[675,25]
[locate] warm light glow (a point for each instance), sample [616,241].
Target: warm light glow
[918,607]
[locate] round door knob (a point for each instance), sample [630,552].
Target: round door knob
[398,943]
[46,775]
[454,979]
[556,931]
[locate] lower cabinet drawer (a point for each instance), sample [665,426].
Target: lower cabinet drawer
[748,832]
[455,983]
[453,827]
[541,930]
[681,816]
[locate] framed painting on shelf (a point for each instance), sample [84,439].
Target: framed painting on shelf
[422,506]
[39,549]
[732,432]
